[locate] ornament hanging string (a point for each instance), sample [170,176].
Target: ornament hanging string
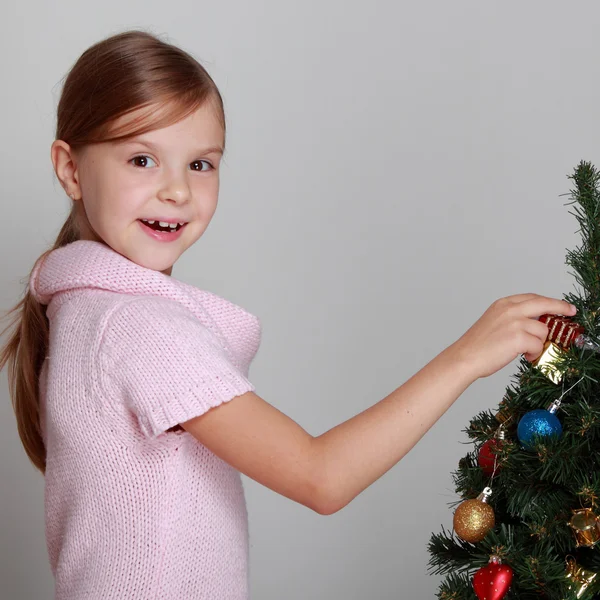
[576,383]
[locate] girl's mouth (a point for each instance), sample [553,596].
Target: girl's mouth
[161,230]
[162,225]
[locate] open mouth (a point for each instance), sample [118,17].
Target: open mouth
[162,225]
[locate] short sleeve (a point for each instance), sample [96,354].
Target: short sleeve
[165,364]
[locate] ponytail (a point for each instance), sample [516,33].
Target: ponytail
[25,352]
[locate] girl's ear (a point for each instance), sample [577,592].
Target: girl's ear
[65,166]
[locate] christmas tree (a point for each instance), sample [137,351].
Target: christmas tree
[527,524]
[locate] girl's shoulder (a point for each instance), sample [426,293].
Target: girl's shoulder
[164,323]
[165,363]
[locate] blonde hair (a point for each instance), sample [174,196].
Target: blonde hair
[120,74]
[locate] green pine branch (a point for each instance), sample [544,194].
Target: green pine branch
[535,492]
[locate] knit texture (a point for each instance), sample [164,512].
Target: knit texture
[136,508]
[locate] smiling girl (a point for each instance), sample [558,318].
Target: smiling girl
[131,388]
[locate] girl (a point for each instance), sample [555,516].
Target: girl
[131,388]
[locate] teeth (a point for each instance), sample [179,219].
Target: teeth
[165,224]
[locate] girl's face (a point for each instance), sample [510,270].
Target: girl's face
[170,174]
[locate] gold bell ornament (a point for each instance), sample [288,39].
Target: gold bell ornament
[580,577]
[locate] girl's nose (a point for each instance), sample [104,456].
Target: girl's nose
[176,192]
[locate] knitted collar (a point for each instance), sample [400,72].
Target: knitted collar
[90,264]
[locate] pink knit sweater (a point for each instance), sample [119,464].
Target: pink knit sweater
[137,510]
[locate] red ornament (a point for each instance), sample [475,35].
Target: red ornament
[492,581]
[487,459]
[562,331]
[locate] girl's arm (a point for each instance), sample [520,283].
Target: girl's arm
[326,472]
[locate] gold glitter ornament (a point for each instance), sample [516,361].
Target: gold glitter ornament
[580,577]
[474,518]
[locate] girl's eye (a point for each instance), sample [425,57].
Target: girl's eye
[143,158]
[142,161]
[197,162]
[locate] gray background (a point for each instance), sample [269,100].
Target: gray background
[392,169]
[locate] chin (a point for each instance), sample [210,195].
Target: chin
[156,262]
[157,265]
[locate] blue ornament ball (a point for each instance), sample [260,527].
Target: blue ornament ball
[539,422]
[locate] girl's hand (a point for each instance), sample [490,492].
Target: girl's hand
[509,327]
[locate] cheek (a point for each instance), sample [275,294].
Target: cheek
[211,195]
[115,198]
[122,189]
[213,209]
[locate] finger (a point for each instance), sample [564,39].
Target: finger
[536,328]
[539,331]
[537,307]
[533,347]
[530,357]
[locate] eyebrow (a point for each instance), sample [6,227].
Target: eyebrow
[209,150]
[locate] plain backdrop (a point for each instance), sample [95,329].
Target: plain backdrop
[392,169]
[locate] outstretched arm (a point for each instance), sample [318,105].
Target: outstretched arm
[326,472]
